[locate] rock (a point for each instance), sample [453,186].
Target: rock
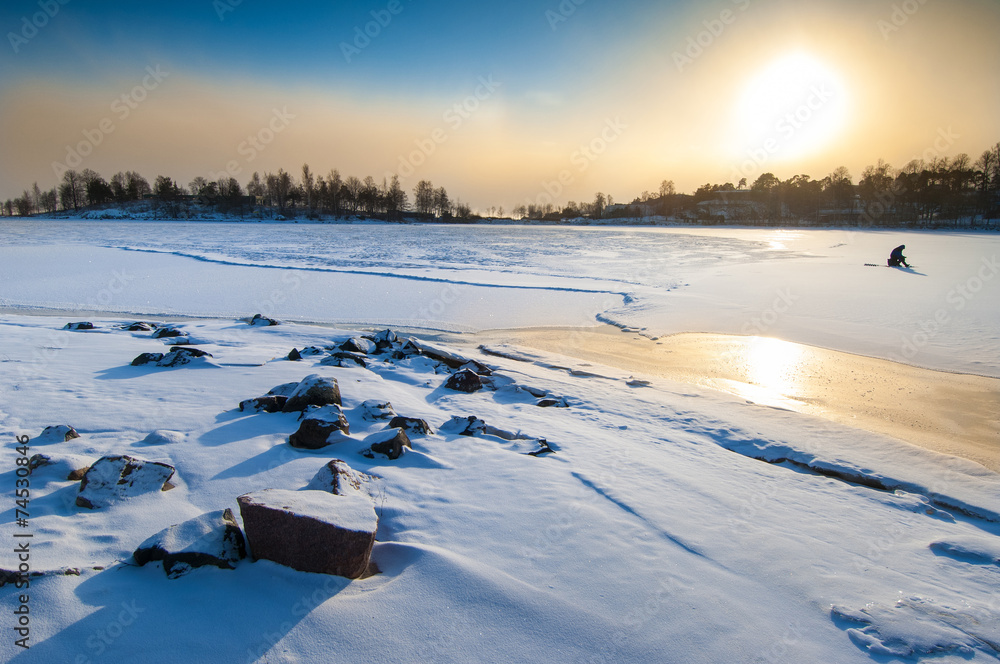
[66,467]
[167,332]
[176,357]
[314,390]
[374,410]
[385,339]
[58,433]
[317,426]
[210,539]
[294,355]
[118,477]
[338,478]
[389,442]
[552,403]
[464,381]
[452,360]
[269,404]
[139,326]
[342,358]
[310,531]
[181,355]
[83,325]
[359,345]
[147,358]
[163,437]
[262,321]
[283,390]
[411,425]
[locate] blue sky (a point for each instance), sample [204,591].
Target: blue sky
[564,72]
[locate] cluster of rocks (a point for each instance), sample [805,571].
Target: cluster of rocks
[177,356]
[328,527]
[322,421]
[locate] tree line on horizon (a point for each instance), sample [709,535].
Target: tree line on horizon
[941,189]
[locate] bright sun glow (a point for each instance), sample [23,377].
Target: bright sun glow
[794,107]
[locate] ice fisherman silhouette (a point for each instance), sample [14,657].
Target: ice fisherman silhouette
[896,258]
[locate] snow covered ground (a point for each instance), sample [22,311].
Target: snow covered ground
[671,524]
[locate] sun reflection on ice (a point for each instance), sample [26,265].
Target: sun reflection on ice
[770,372]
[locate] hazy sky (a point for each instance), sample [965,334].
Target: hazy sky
[498,102]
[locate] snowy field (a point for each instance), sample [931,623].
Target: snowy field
[670,523]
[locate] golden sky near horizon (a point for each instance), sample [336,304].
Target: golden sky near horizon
[788,93]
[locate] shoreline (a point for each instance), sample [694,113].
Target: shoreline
[950,413]
[957,414]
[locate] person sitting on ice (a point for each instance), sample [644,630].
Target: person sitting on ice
[896,258]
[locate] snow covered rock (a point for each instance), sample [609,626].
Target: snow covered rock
[295,355]
[310,531]
[271,403]
[374,410]
[83,325]
[177,357]
[343,358]
[385,339]
[146,358]
[359,345]
[58,433]
[389,442]
[66,467]
[338,478]
[318,426]
[464,381]
[210,539]
[163,437]
[452,360]
[167,332]
[552,403]
[411,425]
[138,326]
[181,355]
[118,477]
[313,390]
[262,321]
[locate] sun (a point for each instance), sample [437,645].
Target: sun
[793,107]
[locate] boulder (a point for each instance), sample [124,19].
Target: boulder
[263,321]
[65,467]
[389,442]
[271,403]
[338,478]
[318,426]
[294,355]
[411,425]
[464,381]
[83,325]
[314,390]
[210,539]
[118,477]
[58,433]
[310,531]
[374,410]
[139,326]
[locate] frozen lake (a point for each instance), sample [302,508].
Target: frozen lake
[809,286]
